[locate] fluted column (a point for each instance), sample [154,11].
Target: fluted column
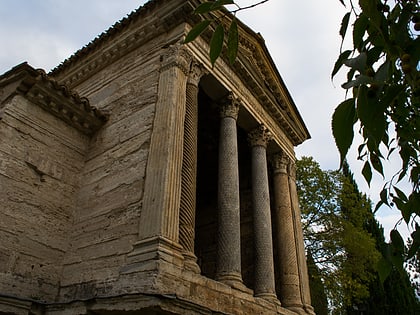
[302,265]
[264,264]
[288,282]
[189,170]
[159,220]
[229,236]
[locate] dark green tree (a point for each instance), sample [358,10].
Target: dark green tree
[334,217]
[318,295]
[396,294]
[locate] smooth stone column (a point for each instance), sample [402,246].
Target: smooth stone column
[189,170]
[229,235]
[264,263]
[288,282]
[302,265]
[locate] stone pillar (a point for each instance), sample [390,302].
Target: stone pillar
[189,170]
[288,282]
[229,235]
[159,220]
[264,263]
[301,257]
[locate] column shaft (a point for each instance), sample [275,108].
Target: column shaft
[303,269]
[189,171]
[264,263]
[288,283]
[229,244]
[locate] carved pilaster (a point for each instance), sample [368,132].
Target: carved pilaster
[159,221]
[264,263]
[189,170]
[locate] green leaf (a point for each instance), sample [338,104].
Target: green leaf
[360,79]
[382,74]
[342,126]
[344,24]
[359,30]
[377,164]
[216,43]
[233,41]
[400,194]
[340,61]
[196,31]
[384,196]
[357,63]
[209,6]
[416,243]
[371,116]
[397,241]
[219,3]
[367,172]
[204,7]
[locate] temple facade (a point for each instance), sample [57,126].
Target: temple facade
[135,178]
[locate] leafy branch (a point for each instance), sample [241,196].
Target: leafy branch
[383,78]
[218,37]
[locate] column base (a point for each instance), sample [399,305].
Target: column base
[299,309]
[190,262]
[234,280]
[148,253]
[269,297]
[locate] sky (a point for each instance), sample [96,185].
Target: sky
[302,38]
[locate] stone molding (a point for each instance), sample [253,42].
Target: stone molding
[55,98]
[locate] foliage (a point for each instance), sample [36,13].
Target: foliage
[218,26]
[383,83]
[334,217]
[318,295]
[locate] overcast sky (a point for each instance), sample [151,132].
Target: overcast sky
[302,37]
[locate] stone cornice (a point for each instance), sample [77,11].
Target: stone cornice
[123,37]
[57,99]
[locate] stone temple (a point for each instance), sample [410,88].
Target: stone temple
[135,178]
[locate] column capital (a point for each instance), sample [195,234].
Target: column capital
[176,56]
[229,106]
[292,169]
[280,162]
[196,72]
[260,136]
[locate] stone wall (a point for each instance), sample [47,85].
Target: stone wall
[40,161]
[109,202]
